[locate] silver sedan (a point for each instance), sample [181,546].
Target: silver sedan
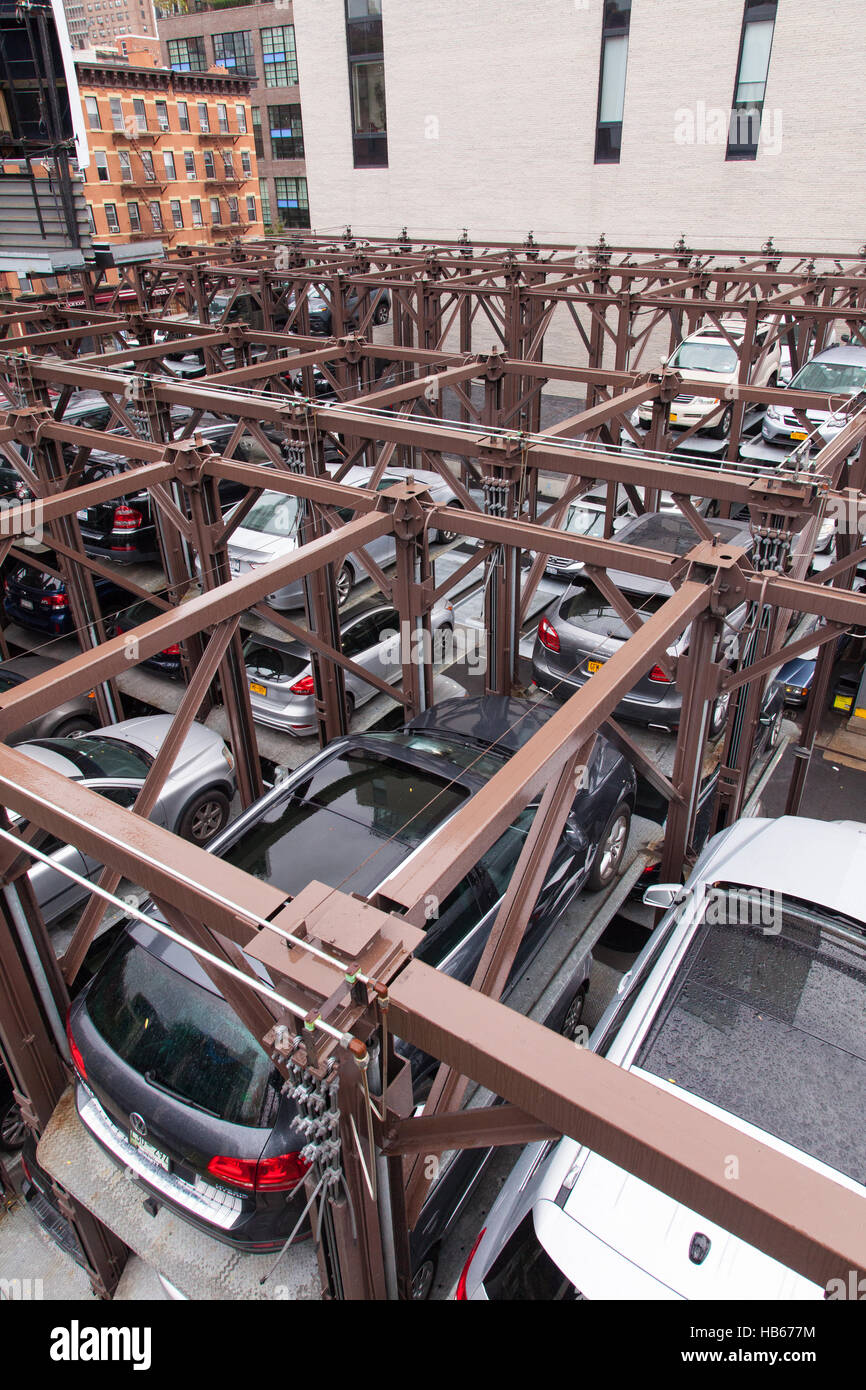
[281,676]
[194,801]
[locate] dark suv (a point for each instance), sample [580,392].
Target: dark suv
[172,1084]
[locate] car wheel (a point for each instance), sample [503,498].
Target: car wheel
[70,727]
[719,716]
[608,859]
[13,1130]
[446,537]
[574,1013]
[205,815]
[723,428]
[422,1279]
[345,582]
[350,709]
[443,639]
[382,312]
[774,731]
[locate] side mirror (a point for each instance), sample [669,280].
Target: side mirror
[662,895]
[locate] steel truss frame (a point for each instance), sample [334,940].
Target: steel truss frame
[346,965]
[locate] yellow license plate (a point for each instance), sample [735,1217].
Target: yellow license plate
[258,689]
[843,702]
[672,417]
[593,666]
[799,434]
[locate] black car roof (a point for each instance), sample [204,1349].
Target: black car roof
[500,719]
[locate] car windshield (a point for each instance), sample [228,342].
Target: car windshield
[99,757]
[180,1036]
[587,608]
[584,521]
[704,355]
[832,377]
[674,534]
[7,682]
[274,515]
[766,1021]
[348,823]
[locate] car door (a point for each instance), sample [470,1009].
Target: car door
[383,657]
[359,641]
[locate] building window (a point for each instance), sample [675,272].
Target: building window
[116,107]
[134,217]
[287,132]
[235,52]
[223,117]
[162,115]
[756,41]
[92,222]
[234,215]
[228,164]
[125,166]
[258,141]
[265,197]
[215,211]
[364,45]
[100,159]
[203,117]
[183,115]
[611,85]
[241,117]
[246,164]
[111,217]
[176,212]
[292,206]
[187,55]
[140,112]
[189,161]
[92,107]
[209,170]
[155,216]
[147,164]
[278,55]
[251,208]
[195,209]
[170,172]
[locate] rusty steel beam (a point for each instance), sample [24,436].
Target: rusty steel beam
[487,1127]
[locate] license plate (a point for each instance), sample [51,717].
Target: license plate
[257,689]
[236,565]
[82,515]
[672,418]
[155,1155]
[799,434]
[593,666]
[26,602]
[843,702]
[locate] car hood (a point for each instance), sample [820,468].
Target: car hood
[645,1237]
[259,545]
[150,732]
[799,669]
[717,379]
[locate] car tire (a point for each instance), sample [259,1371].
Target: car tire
[446,537]
[381,313]
[608,858]
[443,638]
[574,1013]
[423,1277]
[723,428]
[204,817]
[13,1130]
[70,727]
[345,583]
[350,709]
[774,731]
[718,717]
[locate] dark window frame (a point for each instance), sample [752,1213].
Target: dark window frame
[616,24]
[369,150]
[754,12]
[283,146]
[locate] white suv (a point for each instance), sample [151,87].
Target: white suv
[712,355]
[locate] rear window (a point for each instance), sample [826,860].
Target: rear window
[524,1272]
[768,1023]
[388,796]
[589,609]
[674,534]
[181,1037]
[482,762]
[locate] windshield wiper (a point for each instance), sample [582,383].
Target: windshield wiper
[150,1078]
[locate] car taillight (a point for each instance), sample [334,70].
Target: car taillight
[548,635]
[240,1172]
[126,518]
[281,1173]
[77,1059]
[173,650]
[658,675]
[53,601]
[460,1294]
[305,686]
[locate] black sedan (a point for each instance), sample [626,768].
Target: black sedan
[170,1082]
